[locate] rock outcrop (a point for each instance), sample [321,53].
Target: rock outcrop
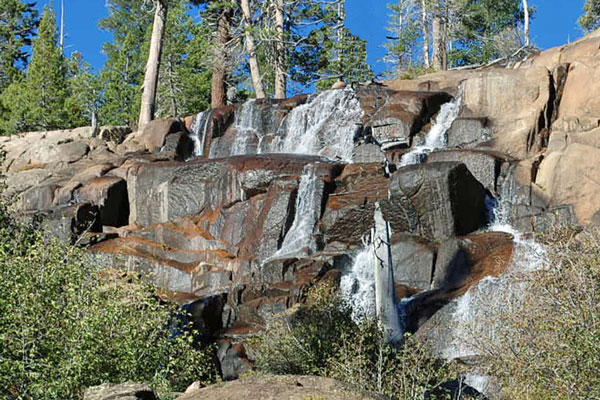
[281,387]
[234,212]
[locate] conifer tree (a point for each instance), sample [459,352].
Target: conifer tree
[38,102]
[130,22]
[18,22]
[404,29]
[185,76]
[590,20]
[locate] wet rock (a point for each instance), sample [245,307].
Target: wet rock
[392,118]
[349,211]
[233,361]
[123,391]
[436,200]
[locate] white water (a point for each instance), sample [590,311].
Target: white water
[324,126]
[245,128]
[299,240]
[436,137]
[199,132]
[358,285]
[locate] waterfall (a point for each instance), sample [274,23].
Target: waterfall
[358,285]
[245,127]
[300,239]
[436,137]
[199,131]
[324,126]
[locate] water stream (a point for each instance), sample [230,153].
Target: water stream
[437,135]
[299,240]
[199,131]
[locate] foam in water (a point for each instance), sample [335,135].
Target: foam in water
[436,138]
[300,238]
[199,132]
[245,128]
[324,126]
[358,285]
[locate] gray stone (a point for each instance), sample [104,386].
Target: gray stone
[123,391]
[436,200]
[484,166]
[469,132]
[413,263]
[368,153]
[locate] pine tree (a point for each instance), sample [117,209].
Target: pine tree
[38,102]
[130,22]
[18,22]
[404,29]
[85,88]
[590,20]
[185,76]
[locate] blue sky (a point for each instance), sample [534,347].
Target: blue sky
[555,23]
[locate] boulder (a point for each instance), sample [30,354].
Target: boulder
[267,387]
[154,133]
[485,166]
[123,391]
[469,132]
[413,262]
[436,200]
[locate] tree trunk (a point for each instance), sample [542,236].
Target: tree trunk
[62,27]
[153,65]
[218,89]
[251,49]
[526,27]
[281,53]
[440,56]
[425,26]
[385,287]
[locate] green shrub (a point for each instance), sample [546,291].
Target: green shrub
[66,325]
[320,338]
[547,347]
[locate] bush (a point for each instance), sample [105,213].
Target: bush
[66,325]
[320,338]
[547,348]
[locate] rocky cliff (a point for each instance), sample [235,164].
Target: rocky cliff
[234,211]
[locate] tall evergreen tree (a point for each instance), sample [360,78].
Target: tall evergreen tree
[185,76]
[38,102]
[404,29]
[130,22]
[18,22]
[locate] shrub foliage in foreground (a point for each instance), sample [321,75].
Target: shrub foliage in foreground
[320,338]
[66,325]
[547,348]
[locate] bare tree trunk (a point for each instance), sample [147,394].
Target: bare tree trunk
[281,53]
[62,27]
[425,26]
[153,64]
[251,49]
[218,89]
[439,42]
[526,27]
[385,288]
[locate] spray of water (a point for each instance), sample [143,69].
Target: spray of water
[299,239]
[437,136]
[358,285]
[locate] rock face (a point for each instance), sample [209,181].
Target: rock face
[281,387]
[234,211]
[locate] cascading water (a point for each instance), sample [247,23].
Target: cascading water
[358,285]
[324,126]
[436,138]
[245,127]
[199,131]
[300,239]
